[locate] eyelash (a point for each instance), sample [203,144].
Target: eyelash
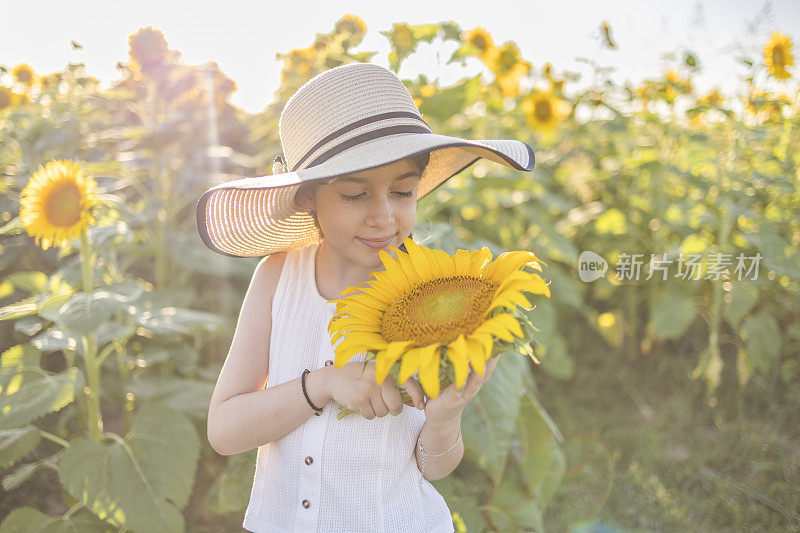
[359,196]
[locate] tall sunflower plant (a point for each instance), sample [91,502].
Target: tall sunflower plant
[435,316]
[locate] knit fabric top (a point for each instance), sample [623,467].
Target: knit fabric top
[330,475]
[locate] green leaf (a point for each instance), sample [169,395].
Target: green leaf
[743,297]
[778,253]
[176,320]
[552,479]
[744,366]
[450,101]
[17,443]
[25,307]
[512,509]
[55,338]
[30,281]
[463,497]
[83,313]
[28,520]
[534,435]
[51,304]
[671,314]
[27,392]
[189,396]
[22,472]
[490,418]
[100,236]
[762,338]
[142,481]
[230,492]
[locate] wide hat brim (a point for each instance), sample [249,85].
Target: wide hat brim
[254,217]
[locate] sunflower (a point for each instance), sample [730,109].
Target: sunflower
[778,55]
[6,97]
[351,24]
[479,39]
[713,99]
[55,205]
[23,73]
[544,110]
[674,85]
[427,302]
[509,81]
[427,90]
[148,47]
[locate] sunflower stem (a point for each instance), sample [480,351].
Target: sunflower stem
[94,415]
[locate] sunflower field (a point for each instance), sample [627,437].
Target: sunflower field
[666,391]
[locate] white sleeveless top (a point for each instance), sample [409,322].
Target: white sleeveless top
[354,474]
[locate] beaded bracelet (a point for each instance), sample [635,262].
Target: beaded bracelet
[426,454]
[317,410]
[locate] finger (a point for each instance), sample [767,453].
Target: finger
[378,405]
[414,389]
[367,412]
[491,364]
[391,397]
[473,383]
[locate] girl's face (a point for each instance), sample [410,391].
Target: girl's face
[358,210]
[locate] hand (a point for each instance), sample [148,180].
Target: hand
[451,401]
[359,393]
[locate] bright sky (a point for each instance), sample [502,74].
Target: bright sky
[244,36]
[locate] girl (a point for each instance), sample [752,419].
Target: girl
[359,156]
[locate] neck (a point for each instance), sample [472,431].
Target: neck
[334,273]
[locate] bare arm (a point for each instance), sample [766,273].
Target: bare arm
[242,414]
[436,439]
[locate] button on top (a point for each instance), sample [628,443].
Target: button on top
[306,504]
[309,460]
[328,362]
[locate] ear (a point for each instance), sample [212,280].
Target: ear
[302,198]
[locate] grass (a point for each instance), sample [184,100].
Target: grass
[648,449]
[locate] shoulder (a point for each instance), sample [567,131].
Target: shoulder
[268,272]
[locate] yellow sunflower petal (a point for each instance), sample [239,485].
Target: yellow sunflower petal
[406,266]
[477,352]
[509,299]
[462,262]
[458,353]
[368,300]
[508,262]
[521,280]
[345,352]
[350,290]
[501,326]
[420,257]
[409,364]
[355,332]
[429,373]
[445,262]
[386,358]
[478,260]
[510,323]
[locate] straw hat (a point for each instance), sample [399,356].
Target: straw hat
[346,119]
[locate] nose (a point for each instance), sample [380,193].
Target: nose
[381,213]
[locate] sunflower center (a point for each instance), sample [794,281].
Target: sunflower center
[63,205]
[777,56]
[479,42]
[543,111]
[438,310]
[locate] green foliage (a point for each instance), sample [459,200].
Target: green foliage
[141,481]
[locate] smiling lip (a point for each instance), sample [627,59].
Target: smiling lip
[377,244]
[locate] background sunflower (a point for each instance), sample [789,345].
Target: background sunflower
[55,205]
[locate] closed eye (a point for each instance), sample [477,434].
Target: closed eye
[357,197]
